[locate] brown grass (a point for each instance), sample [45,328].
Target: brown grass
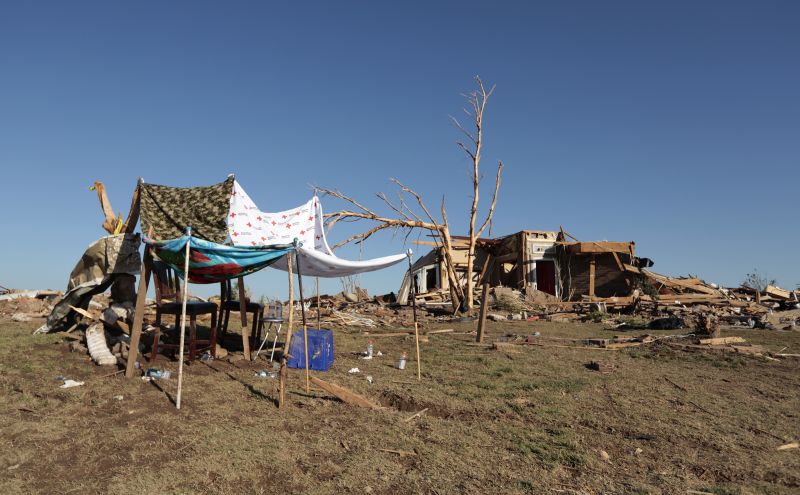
[528,422]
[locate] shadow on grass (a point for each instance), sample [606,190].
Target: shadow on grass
[249,386]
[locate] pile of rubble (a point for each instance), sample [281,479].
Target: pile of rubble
[660,303]
[24,305]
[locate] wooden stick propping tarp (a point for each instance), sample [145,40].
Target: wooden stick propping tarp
[414,306]
[303,313]
[283,371]
[183,316]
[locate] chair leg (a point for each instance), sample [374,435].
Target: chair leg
[266,337]
[192,337]
[260,322]
[253,335]
[214,334]
[156,338]
[275,342]
[224,316]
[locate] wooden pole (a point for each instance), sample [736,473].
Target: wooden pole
[183,315]
[305,326]
[319,325]
[413,290]
[284,370]
[591,276]
[243,312]
[484,308]
[138,315]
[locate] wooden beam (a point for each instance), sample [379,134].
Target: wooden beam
[619,262]
[599,247]
[344,394]
[138,315]
[484,308]
[592,264]
[133,213]
[777,292]
[631,268]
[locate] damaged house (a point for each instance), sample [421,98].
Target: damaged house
[532,261]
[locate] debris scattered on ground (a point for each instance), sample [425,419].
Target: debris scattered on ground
[69,383]
[601,366]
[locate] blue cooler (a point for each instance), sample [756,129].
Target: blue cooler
[320,350]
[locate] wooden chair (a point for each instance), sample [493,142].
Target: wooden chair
[230,305]
[168,302]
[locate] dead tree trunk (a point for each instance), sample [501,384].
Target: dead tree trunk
[477,102]
[461,295]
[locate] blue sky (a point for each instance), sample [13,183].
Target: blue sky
[674,124]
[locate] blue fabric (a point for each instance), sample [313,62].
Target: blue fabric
[210,262]
[320,350]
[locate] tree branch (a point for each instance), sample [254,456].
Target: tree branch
[490,214]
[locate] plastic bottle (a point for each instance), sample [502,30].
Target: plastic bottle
[370,349]
[158,374]
[401,365]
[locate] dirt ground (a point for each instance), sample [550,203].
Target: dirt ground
[535,421]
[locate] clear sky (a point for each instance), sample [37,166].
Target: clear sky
[674,124]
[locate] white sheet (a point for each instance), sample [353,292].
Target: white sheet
[249,226]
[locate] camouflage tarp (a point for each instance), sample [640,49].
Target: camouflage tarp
[169,210]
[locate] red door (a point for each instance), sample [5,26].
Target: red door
[546,276]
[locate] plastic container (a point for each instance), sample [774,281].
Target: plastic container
[158,374]
[401,365]
[320,350]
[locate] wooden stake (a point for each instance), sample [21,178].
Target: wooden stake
[319,325]
[484,308]
[243,313]
[138,315]
[183,315]
[284,370]
[305,326]
[414,312]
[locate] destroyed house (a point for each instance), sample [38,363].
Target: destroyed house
[531,260]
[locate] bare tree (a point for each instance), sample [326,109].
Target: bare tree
[758,280]
[477,102]
[420,216]
[408,220]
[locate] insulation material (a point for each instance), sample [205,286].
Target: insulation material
[98,348]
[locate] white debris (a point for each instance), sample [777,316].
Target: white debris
[354,370]
[71,383]
[98,348]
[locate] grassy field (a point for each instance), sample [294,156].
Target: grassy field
[536,421]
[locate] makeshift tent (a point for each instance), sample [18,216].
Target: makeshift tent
[210,262]
[249,226]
